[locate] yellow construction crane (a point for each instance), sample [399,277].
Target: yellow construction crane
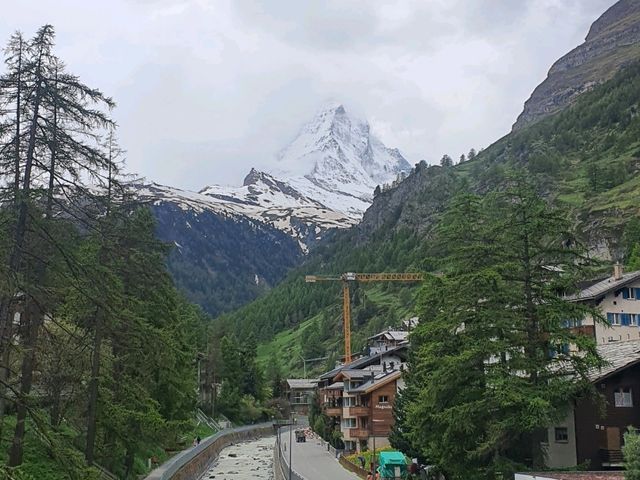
[346,278]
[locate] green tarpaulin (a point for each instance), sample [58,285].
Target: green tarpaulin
[392,465]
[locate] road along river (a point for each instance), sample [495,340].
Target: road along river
[244,461]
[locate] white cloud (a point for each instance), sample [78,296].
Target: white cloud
[208,88]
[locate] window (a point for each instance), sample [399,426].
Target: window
[383,399]
[349,422]
[629,293]
[623,397]
[572,323]
[613,318]
[633,319]
[562,435]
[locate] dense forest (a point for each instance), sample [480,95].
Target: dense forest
[97,347]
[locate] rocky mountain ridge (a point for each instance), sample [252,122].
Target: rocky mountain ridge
[612,43]
[323,180]
[231,243]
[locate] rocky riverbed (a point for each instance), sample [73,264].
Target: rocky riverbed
[249,460]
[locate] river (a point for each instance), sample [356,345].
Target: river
[248,460]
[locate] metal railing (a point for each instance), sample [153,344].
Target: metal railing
[282,462]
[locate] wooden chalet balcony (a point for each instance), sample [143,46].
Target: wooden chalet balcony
[359,433]
[359,411]
[332,411]
[587,330]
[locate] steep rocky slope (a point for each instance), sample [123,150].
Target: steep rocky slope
[222,262]
[613,42]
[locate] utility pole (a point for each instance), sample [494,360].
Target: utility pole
[304,365]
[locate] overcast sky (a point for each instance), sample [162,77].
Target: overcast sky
[206,89]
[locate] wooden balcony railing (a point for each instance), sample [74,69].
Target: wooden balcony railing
[359,433]
[359,411]
[333,411]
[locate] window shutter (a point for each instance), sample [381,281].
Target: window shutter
[625,293]
[625,319]
[637,294]
[610,318]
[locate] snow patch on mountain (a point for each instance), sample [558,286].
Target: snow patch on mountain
[302,218]
[323,180]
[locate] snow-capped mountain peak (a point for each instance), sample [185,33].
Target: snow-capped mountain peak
[325,179]
[337,160]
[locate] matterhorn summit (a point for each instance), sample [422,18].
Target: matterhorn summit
[337,160]
[323,180]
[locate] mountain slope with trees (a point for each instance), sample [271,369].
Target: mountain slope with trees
[586,157]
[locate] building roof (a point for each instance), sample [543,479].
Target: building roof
[335,386]
[363,361]
[391,335]
[378,381]
[603,287]
[618,356]
[355,374]
[302,383]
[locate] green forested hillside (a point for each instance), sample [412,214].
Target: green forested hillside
[97,346]
[586,157]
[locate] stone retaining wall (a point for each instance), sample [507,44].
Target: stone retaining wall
[192,463]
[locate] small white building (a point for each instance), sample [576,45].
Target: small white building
[618,299]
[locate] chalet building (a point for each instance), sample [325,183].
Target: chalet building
[359,397]
[618,299]
[594,437]
[368,410]
[383,341]
[300,392]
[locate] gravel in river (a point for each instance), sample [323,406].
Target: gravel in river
[248,460]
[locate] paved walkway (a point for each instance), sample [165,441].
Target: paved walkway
[312,460]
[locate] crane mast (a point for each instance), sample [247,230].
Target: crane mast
[346,279]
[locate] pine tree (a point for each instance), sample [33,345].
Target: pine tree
[446,161]
[489,370]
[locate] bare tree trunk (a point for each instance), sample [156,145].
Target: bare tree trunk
[55,405]
[128,463]
[4,379]
[53,147]
[92,409]
[33,322]
[16,183]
